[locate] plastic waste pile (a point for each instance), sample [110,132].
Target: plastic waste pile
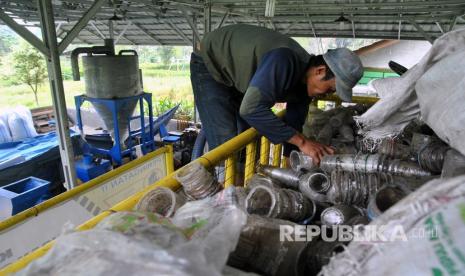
[288,221]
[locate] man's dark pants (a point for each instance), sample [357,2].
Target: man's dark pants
[218,105]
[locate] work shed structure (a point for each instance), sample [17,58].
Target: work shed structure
[184,22]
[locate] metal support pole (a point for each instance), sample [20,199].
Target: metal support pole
[111,32]
[264,151]
[195,48]
[57,90]
[230,174]
[207,17]
[277,152]
[250,158]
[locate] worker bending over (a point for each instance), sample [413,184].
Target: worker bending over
[241,71]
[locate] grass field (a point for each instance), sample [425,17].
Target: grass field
[162,83]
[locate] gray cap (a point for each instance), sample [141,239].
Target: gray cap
[348,69]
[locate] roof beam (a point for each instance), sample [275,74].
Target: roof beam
[24,33]
[152,36]
[222,20]
[177,30]
[81,24]
[123,32]
[118,34]
[420,29]
[195,31]
[453,22]
[97,30]
[351,5]
[64,32]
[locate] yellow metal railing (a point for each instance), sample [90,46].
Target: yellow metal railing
[227,152]
[36,210]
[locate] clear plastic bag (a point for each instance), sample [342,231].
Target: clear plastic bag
[134,243]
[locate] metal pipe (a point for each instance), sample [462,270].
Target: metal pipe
[339,214]
[316,180]
[264,151]
[300,161]
[230,174]
[279,203]
[287,177]
[107,49]
[371,163]
[250,160]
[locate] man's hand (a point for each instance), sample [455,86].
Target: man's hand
[311,148]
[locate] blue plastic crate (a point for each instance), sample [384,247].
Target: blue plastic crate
[25,193]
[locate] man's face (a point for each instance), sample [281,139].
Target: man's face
[316,85]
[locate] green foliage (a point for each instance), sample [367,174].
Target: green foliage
[29,66]
[164,104]
[184,112]
[7,40]
[159,70]
[166,53]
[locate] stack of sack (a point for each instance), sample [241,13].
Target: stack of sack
[16,124]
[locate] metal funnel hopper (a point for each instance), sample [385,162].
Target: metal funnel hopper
[125,111]
[113,78]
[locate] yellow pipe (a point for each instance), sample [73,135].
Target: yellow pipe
[355,99]
[169,159]
[284,162]
[34,211]
[264,151]
[230,174]
[251,152]
[208,160]
[277,149]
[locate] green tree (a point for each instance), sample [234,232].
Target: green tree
[29,66]
[166,53]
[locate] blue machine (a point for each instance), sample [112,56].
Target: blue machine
[88,168]
[25,193]
[145,133]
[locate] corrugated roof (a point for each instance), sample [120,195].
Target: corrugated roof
[166,22]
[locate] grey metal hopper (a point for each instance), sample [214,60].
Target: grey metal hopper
[113,77]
